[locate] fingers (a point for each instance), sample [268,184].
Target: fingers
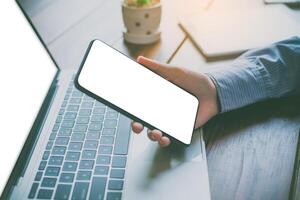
[164,141]
[156,135]
[137,127]
[153,65]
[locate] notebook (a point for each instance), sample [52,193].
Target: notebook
[283,1]
[229,32]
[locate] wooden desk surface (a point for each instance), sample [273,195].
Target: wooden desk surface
[250,151]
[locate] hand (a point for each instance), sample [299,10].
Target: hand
[198,84]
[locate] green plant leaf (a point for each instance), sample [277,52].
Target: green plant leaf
[143,2]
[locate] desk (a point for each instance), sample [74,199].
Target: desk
[250,151]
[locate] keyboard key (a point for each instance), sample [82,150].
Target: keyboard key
[69,90]
[62,141]
[52,171]
[80,128]
[93,135]
[109,131]
[87,104]
[52,136]
[85,112]
[73,108]
[88,98]
[70,115]
[64,104]
[72,156]
[86,164]
[119,161]
[122,136]
[99,104]
[58,150]
[84,175]
[80,190]
[90,144]
[77,93]
[56,160]
[67,97]
[98,188]
[115,184]
[99,110]
[77,136]
[117,173]
[97,118]
[107,140]
[64,131]
[95,127]
[67,124]
[58,119]
[101,170]
[42,165]
[62,191]
[61,111]
[33,190]
[110,109]
[66,177]
[38,176]
[110,123]
[49,145]
[112,115]
[48,182]
[114,196]
[103,160]
[83,120]
[70,166]
[44,194]
[55,127]
[71,84]
[105,149]
[75,146]
[46,155]
[75,101]
[88,154]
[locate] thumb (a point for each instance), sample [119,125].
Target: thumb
[154,66]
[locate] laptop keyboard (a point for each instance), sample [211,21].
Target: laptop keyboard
[86,153]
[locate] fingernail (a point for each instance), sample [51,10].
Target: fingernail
[152,136]
[139,58]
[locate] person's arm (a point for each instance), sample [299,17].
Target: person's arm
[259,74]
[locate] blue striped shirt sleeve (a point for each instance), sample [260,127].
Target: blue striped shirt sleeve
[259,74]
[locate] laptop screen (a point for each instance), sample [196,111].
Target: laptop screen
[26,75]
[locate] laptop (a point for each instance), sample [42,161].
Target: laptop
[58,143]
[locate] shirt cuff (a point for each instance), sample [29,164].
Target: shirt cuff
[242,83]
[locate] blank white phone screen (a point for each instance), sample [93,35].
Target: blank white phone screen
[130,86]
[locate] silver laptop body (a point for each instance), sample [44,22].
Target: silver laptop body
[77,149]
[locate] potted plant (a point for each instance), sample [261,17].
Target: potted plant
[141,19]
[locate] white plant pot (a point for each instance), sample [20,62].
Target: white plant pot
[142,24]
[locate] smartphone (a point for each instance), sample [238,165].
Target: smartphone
[137,92]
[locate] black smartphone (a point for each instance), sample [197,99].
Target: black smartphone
[137,92]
